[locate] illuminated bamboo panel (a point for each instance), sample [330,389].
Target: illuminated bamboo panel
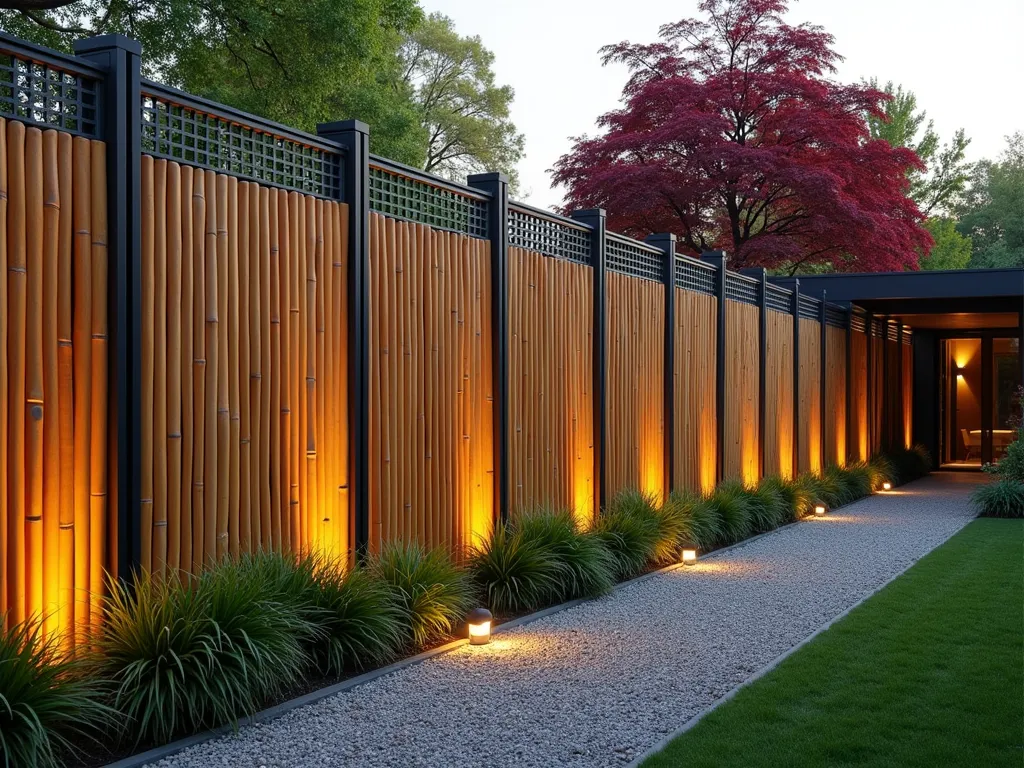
[810,396]
[835,396]
[54,546]
[858,438]
[551,454]
[431,415]
[232,264]
[877,393]
[694,387]
[778,447]
[635,453]
[742,384]
[907,360]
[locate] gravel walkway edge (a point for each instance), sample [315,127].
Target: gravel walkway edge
[689,724]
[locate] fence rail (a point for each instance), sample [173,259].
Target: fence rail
[311,347]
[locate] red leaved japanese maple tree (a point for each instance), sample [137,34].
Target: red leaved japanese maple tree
[733,136]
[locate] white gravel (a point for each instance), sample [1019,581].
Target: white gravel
[598,684]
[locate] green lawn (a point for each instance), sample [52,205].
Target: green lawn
[928,672]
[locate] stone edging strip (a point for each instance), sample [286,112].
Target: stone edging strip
[167,750]
[779,659]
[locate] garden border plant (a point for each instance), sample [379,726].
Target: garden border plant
[1004,497]
[186,655]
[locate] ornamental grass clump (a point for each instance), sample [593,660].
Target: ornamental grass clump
[584,566]
[767,506]
[731,505]
[430,590]
[882,471]
[514,572]
[49,707]
[860,479]
[1003,498]
[788,495]
[182,656]
[629,529]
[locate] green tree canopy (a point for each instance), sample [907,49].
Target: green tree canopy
[939,187]
[463,111]
[992,211]
[951,250]
[299,62]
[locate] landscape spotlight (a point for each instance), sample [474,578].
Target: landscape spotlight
[479,621]
[886,486]
[689,556]
[820,508]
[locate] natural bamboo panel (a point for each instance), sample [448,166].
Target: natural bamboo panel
[835,396]
[810,396]
[894,397]
[858,438]
[908,394]
[431,410]
[635,453]
[876,396]
[551,380]
[742,385]
[244,369]
[56,525]
[778,446]
[696,343]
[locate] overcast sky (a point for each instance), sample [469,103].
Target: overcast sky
[963,58]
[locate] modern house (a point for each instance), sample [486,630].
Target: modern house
[967,331]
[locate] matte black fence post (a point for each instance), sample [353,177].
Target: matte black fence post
[496,185]
[666,243]
[596,219]
[823,380]
[718,259]
[121,122]
[761,275]
[849,384]
[869,327]
[354,136]
[796,378]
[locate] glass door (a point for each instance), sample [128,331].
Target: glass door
[980,406]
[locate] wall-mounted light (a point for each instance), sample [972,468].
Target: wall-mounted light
[820,508]
[689,556]
[886,486]
[479,621]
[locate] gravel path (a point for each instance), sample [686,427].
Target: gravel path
[598,684]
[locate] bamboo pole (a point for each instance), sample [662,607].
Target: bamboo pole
[266,373]
[65,390]
[231,334]
[376,406]
[241,372]
[33,405]
[211,323]
[328,390]
[285,360]
[279,379]
[199,364]
[405,528]
[188,435]
[81,336]
[172,436]
[341,363]
[98,448]
[148,359]
[321,514]
[442,389]
[254,284]
[160,368]
[308,332]
[17,274]
[297,329]
[223,434]
[4,375]
[52,223]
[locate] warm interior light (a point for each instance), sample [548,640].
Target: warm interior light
[886,486]
[479,621]
[820,508]
[689,556]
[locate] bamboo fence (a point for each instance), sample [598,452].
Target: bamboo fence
[907,421]
[835,396]
[858,439]
[742,385]
[431,408]
[551,306]
[694,387]
[778,445]
[636,391]
[810,396]
[56,534]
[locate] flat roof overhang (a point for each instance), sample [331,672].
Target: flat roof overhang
[941,299]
